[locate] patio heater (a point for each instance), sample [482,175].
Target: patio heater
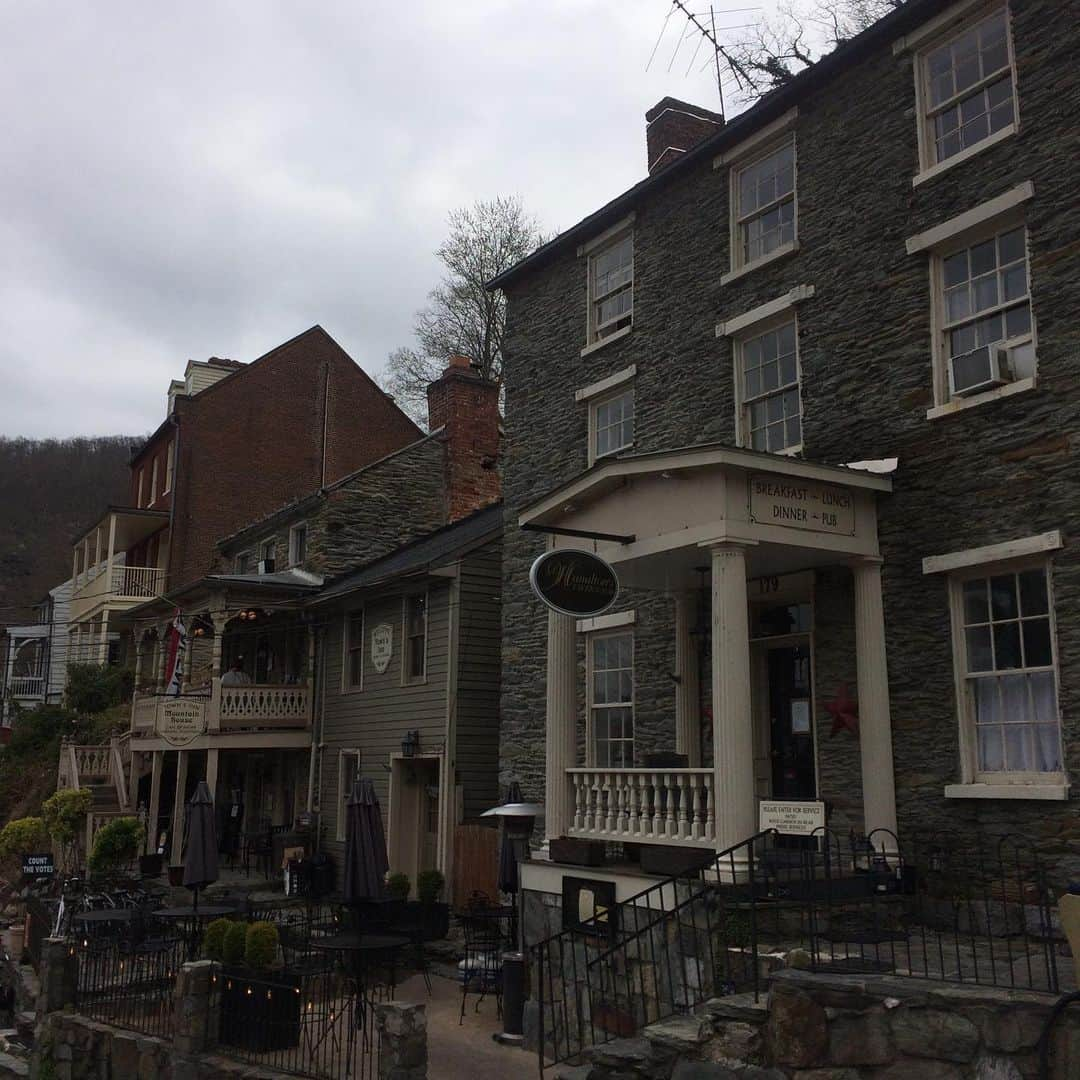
[518,819]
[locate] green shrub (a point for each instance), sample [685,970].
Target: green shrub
[65,813]
[39,729]
[213,942]
[116,843]
[429,886]
[233,943]
[398,886]
[261,946]
[94,688]
[23,836]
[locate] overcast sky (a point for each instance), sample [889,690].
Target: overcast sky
[207,179]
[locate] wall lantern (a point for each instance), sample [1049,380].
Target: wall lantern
[410,744]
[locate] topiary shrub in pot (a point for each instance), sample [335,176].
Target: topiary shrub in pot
[213,942]
[260,1003]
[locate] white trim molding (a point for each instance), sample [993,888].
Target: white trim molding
[959,404]
[994,553]
[602,386]
[781,125]
[939,24]
[620,333]
[747,268]
[970,219]
[609,233]
[764,312]
[1051,791]
[611,621]
[968,152]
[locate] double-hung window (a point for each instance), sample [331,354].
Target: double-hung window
[611,287]
[1006,659]
[763,194]
[297,544]
[416,621]
[267,551]
[768,374]
[611,699]
[986,311]
[170,465]
[967,89]
[613,423]
[354,651]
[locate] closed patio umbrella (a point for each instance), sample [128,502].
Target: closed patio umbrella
[366,862]
[510,852]
[201,857]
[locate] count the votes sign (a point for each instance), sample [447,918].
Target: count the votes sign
[572,582]
[801,504]
[38,866]
[790,817]
[181,720]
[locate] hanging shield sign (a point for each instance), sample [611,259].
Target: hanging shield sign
[576,583]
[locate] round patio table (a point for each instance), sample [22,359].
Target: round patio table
[191,918]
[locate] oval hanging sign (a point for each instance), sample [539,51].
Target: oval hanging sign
[572,582]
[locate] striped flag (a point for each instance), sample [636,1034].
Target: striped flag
[176,643]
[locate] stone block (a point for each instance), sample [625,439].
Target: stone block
[825,1074]
[124,1055]
[797,1031]
[919,1070]
[737,1007]
[860,1039]
[702,1070]
[683,1034]
[1009,1029]
[931,1033]
[736,1043]
[996,1068]
[620,1053]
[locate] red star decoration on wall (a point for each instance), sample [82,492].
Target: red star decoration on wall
[844,712]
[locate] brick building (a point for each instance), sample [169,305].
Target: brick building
[796,370]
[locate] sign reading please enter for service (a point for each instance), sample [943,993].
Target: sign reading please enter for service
[801,504]
[790,817]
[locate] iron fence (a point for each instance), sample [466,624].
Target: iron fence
[317,1024]
[128,982]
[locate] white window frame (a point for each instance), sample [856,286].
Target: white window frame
[343,755]
[739,264]
[742,403]
[153,481]
[969,772]
[406,648]
[968,16]
[139,491]
[617,234]
[595,404]
[626,631]
[268,545]
[294,530]
[170,465]
[347,650]
[240,562]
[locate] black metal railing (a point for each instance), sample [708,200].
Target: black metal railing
[976,913]
[128,982]
[312,1024]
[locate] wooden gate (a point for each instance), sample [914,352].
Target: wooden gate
[476,863]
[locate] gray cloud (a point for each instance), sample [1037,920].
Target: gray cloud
[213,178]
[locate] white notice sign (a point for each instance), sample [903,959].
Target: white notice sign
[382,646]
[181,720]
[801,504]
[790,817]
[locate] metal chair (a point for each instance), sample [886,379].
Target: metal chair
[485,942]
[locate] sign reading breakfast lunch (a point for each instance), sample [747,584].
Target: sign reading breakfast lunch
[801,504]
[181,720]
[791,818]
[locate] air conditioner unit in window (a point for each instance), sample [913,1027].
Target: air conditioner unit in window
[978,370]
[266,566]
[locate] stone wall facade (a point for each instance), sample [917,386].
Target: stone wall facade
[989,474]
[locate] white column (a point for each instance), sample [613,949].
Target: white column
[561,723]
[687,688]
[875,724]
[155,801]
[733,728]
[212,772]
[177,846]
[110,587]
[103,642]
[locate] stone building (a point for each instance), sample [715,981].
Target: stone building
[811,388]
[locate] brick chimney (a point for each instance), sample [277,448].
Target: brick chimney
[672,127]
[466,406]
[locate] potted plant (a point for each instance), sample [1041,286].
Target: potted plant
[398,886]
[64,814]
[434,917]
[115,845]
[260,1004]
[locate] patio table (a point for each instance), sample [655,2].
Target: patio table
[190,919]
[364,950]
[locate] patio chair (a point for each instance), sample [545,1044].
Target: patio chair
[481,967]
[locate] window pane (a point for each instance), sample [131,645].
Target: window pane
[991,750]
[1033,599]
[1037,651]
[1003,596]
[1018,322]
[1007,646]
[976,609]
[1044,697]
[979,655]
[1018,755]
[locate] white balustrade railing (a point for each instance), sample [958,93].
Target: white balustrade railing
[92,762]
[653,806]
[145,581]
[27,685]
[144,711]
[264,706]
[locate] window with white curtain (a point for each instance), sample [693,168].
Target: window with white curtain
[1007,660]
[611,699]
[611,287]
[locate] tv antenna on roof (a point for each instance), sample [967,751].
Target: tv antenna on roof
[701,25]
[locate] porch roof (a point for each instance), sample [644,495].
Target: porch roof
[133,524]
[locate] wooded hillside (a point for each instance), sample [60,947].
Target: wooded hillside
[49,489]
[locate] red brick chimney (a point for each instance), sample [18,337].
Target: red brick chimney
[672,127]
[466,406]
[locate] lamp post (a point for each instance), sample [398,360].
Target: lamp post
[518,819]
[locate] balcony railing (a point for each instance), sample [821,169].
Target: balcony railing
[27,686]
[651,806]
[125,582]
[264,706]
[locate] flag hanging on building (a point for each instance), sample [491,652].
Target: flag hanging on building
[176,645]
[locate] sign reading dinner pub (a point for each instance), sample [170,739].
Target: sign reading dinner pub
[801,504]
[572,582]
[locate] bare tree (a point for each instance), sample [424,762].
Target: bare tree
[779,46]
[461,315]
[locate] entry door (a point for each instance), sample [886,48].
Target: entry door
[791,726]
[414,815]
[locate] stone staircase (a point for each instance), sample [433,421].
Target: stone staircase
[16,1047]
[720,1040]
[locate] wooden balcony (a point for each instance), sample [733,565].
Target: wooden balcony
[229,710]
[123,586]
[26,687]
[644,806]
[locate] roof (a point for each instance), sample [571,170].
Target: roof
[846,55]
[426,553]
[295,582]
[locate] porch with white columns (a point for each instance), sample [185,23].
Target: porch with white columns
[561,720]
